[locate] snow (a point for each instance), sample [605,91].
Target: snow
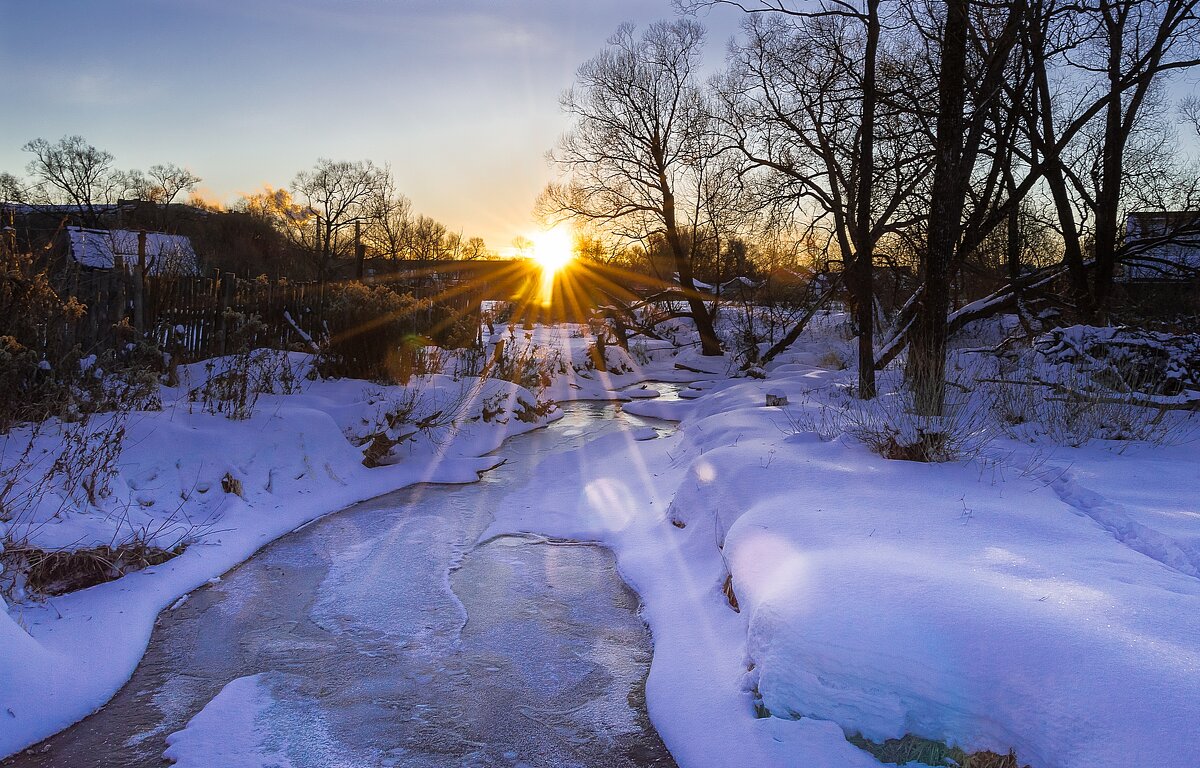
[1031,596]
[165,254]
[295,463]
[224,733]
[1054,611]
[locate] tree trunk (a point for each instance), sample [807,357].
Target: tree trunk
[709,343]
[863,265]
[1108,195]
[927,354]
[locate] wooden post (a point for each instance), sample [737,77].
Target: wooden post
[120,303]
[360,252]
[227,289]
[139,286]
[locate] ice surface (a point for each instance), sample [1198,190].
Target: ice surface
[393,636]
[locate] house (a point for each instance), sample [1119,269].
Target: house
[104,249]
[1161,246]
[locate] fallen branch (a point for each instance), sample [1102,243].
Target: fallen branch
[683,367]
[798,328]
[1005,298]
[1190,402]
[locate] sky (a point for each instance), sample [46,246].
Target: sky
[460,97]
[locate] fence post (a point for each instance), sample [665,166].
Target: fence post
[120,303]
[139,279]
[360,251]
[227,289]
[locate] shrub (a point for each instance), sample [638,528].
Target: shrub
[34,359]
[524,364]
[371,329]
[403,414]
[233,384]
[890,426]
[1075,385]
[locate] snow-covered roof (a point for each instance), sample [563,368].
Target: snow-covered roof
[739,284]
[165,254]
[24,209]
[1164,245]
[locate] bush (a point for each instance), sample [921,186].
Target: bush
[233,384]
[34,359]
[371,333]
[524,364]
[1075,385]
[890,426]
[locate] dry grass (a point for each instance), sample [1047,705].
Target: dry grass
[56,572]
[910,749]
[730,595]
[923,446]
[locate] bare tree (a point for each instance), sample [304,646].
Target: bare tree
[805,101]
[12,188]
[284,214]
[73,172]
[428,239]
[474,248]
[339,195]
[631,156]
[161,184]
[1110,55]
[1189,109]
[974,190]
[927,359]
[390,219]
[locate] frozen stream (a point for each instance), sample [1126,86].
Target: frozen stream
[385,636]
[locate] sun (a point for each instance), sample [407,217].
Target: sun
[553,249]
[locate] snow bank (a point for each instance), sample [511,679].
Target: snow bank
[224,732]
[1052,611]
[294,460]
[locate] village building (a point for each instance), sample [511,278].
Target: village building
[105,249]
[1161,246]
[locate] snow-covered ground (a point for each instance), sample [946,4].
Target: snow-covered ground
[1031,596]
[1036,597]
[293,460]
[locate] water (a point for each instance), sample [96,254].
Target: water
[386,636]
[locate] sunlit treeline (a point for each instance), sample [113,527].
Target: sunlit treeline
[335,210]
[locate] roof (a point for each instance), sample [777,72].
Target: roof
[1162,245]
[165,254]
[1175,218]
[25,209]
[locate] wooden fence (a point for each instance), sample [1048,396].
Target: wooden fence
[196,317]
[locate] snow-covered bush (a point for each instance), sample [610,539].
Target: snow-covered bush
[1078,384]
[232,384]
[1126,359]
[890,426]
[401,415]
